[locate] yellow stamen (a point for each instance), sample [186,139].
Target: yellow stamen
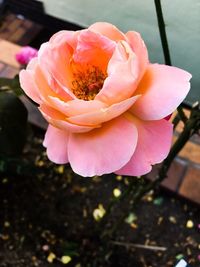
[87,82]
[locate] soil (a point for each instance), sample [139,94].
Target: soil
[46,212]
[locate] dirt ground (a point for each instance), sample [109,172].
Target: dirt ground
[47,219]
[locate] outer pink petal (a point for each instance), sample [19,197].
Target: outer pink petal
[163,88]
[108,30]
[154,141]
[38,86]
[104,150]
[103,114]
[29,86]
[59,120]
[54,62]
[122,76]
[139,48]
[77,106]
[62,37]
[47,86]
[56,142]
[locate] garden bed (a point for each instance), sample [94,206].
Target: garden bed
[46,213]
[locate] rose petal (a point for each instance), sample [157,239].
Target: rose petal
[103,114]
[139,48]
[62,37]
[108,30]
[56,142]
[104,150]
[94,49]
[36,86]
[163,88]
[154,141]
[47,86]
[123,74]
[55,64]
[29,86]
[77,106]
[59,120]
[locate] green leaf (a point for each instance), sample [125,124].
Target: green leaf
[13,123]
[11,84]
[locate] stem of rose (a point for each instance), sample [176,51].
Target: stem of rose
[165,46]
[163,35]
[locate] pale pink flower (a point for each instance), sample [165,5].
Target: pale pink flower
[104,101]
[26,54]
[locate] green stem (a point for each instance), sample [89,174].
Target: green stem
[163,35]
[176,121]
[182,115]
[165,46]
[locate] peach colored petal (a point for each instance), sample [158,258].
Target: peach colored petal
[139,48]
[32,64]
[107,30]
[38,86]
[123,75]
[55,64]
[56,142]
[47,86]
[62,37]
[35,84]
[55,60]
[93,48]
[103,114]
[104,150]
[163,88]
[154,141]
[58,120]
[121,54]
[29,86]
[77,106]
[27,81]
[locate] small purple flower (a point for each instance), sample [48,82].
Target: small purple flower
[26,54]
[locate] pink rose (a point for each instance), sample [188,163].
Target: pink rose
[26,54]
[104,101]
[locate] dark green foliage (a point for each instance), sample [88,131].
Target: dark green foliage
[11,84]
[13,123]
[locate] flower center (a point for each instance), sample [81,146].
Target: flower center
[87,82]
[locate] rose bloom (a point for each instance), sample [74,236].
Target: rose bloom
[105,102]
[26,54]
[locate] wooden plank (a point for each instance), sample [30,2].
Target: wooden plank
[9,72]
[18,30]
[17,35]
[34,10]
[8,52]
[9,29]
[29,34]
